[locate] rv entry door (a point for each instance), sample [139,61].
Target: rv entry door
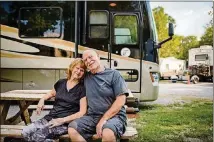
[124,48]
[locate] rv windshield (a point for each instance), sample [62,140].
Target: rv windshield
[40,22]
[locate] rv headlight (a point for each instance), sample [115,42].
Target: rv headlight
[154,76]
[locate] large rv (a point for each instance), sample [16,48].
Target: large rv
[39,39]
[200,63]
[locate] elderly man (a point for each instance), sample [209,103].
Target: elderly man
[106,95]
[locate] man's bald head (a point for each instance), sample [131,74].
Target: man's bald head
[92,60]
[90,51]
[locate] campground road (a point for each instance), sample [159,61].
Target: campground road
[170,93]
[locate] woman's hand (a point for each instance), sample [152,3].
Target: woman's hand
[40,106]
[56,122]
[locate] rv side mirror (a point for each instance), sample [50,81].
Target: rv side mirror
[170,33]
[171,30]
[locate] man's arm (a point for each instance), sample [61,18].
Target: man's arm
[115,108]
[112,111]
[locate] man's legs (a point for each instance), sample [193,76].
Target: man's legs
[75,136]
[113,129]
[108,135]
[82,129]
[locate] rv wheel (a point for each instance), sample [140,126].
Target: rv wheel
[195,80]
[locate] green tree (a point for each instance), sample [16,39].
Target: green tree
[207,37]
[161,20]
[187,43]
[170,48]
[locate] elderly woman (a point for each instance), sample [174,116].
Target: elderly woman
[70,103]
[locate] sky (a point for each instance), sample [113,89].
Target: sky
[190,17]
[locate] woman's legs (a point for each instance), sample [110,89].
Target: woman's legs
[47,134]
[39,131]
[28,131]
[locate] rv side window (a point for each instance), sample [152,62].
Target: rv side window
[125,29]
[201,57]
[98,24]
[129,75]
[40,22]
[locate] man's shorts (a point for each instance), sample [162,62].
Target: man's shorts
[86,126]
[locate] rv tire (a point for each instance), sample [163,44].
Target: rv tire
[195,80]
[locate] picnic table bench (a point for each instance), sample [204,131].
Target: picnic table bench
[25,99]
[15,131]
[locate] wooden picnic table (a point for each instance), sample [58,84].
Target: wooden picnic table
[24,98]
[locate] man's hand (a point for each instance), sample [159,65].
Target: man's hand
[99,127]
[55,122]
[40,106]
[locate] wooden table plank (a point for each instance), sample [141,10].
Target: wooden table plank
[46,107]
[10,133]
[19,96]
[18,127]
[30,91]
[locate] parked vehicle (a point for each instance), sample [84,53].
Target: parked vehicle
[40,39]
[171,66]
[184,76]
[200,64]
[174,78]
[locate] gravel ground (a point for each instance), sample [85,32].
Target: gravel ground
[170,93]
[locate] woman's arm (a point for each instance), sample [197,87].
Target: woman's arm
[41,103]
[67,119]
[49,95]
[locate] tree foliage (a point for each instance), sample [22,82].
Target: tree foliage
[207,37]
[161,20]
[179,45]
[172,47]
[187,43]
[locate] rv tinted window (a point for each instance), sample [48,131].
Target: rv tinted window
[98,24]
[129,75]
[40,22]
[125,29]
[201,57]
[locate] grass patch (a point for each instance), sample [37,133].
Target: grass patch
[176,123]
